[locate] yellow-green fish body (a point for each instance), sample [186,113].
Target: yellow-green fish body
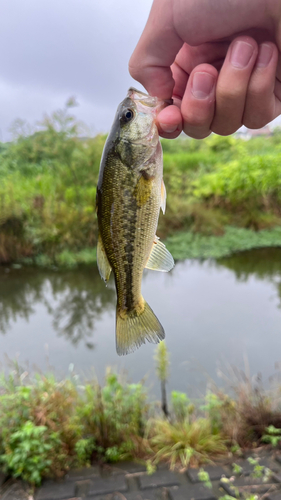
[129,195]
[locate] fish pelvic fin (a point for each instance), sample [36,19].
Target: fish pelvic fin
[160,258]
[136,328]
[103,265]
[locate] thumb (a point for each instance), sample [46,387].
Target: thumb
[156,51]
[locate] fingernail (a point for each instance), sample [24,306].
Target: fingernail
[168,128]
[241,54]
[202,85]
[265,54]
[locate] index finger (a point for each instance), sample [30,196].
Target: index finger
[156,51]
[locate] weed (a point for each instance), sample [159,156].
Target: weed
[162,365]
[235,449]
[150,467]
[204,477]
[183,442]
[113,415]
[272,435]
[181,406]
[237,469]
[84,448]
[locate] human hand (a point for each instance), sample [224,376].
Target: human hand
[217,59]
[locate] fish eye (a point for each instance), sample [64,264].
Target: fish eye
[128,115]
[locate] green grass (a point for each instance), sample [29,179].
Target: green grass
[196,246]
[48,188]
[182,245]
[63,260]
[185,442]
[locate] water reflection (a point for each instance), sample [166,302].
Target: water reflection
[75,300]
[17,297]
[262,263]
[210,310]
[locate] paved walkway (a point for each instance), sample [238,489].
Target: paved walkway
[129,481]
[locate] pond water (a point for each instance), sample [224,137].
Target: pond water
[216,314]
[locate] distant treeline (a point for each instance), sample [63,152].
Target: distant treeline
[48,180]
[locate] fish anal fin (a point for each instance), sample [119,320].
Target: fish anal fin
[136,328]
[163,196]
[160,258]
[103,265]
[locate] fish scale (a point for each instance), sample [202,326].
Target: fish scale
[128,203]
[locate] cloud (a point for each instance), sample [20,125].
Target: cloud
[56,48]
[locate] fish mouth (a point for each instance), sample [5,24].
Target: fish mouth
[149,105]
[143,99]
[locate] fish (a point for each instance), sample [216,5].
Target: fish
[130,193]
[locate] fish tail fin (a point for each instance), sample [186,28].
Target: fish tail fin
[135,328]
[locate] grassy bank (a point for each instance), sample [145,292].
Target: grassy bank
[190,245]
[182,245]
[48,426]
[215,188]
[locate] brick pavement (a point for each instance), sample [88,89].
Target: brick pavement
[129,481]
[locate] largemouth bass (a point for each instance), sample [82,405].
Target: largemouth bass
[130,193]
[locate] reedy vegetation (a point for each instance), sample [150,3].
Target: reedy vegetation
[48,426]
[48,179]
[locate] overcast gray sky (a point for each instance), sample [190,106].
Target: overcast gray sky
[53,49]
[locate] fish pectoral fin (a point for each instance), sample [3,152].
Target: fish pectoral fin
[160,258]
[163,196]
[136,328]
[103,265]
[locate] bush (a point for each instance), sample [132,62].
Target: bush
[113,415]
[39,429]
[27,452]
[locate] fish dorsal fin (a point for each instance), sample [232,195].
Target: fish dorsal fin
[102,261]
[160,258]
[163,196]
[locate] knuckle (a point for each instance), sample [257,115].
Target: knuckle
[228,119]
[257,93]
[195,120]
[254,121]
[258,111]
[225,129]
[229,94]
[197,133]
[134,69]
[173,135]
[133,72]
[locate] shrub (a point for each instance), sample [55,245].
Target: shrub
[184,441]
[27,452]
[113,415]
[43,414]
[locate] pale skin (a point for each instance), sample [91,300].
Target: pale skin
[220,61]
